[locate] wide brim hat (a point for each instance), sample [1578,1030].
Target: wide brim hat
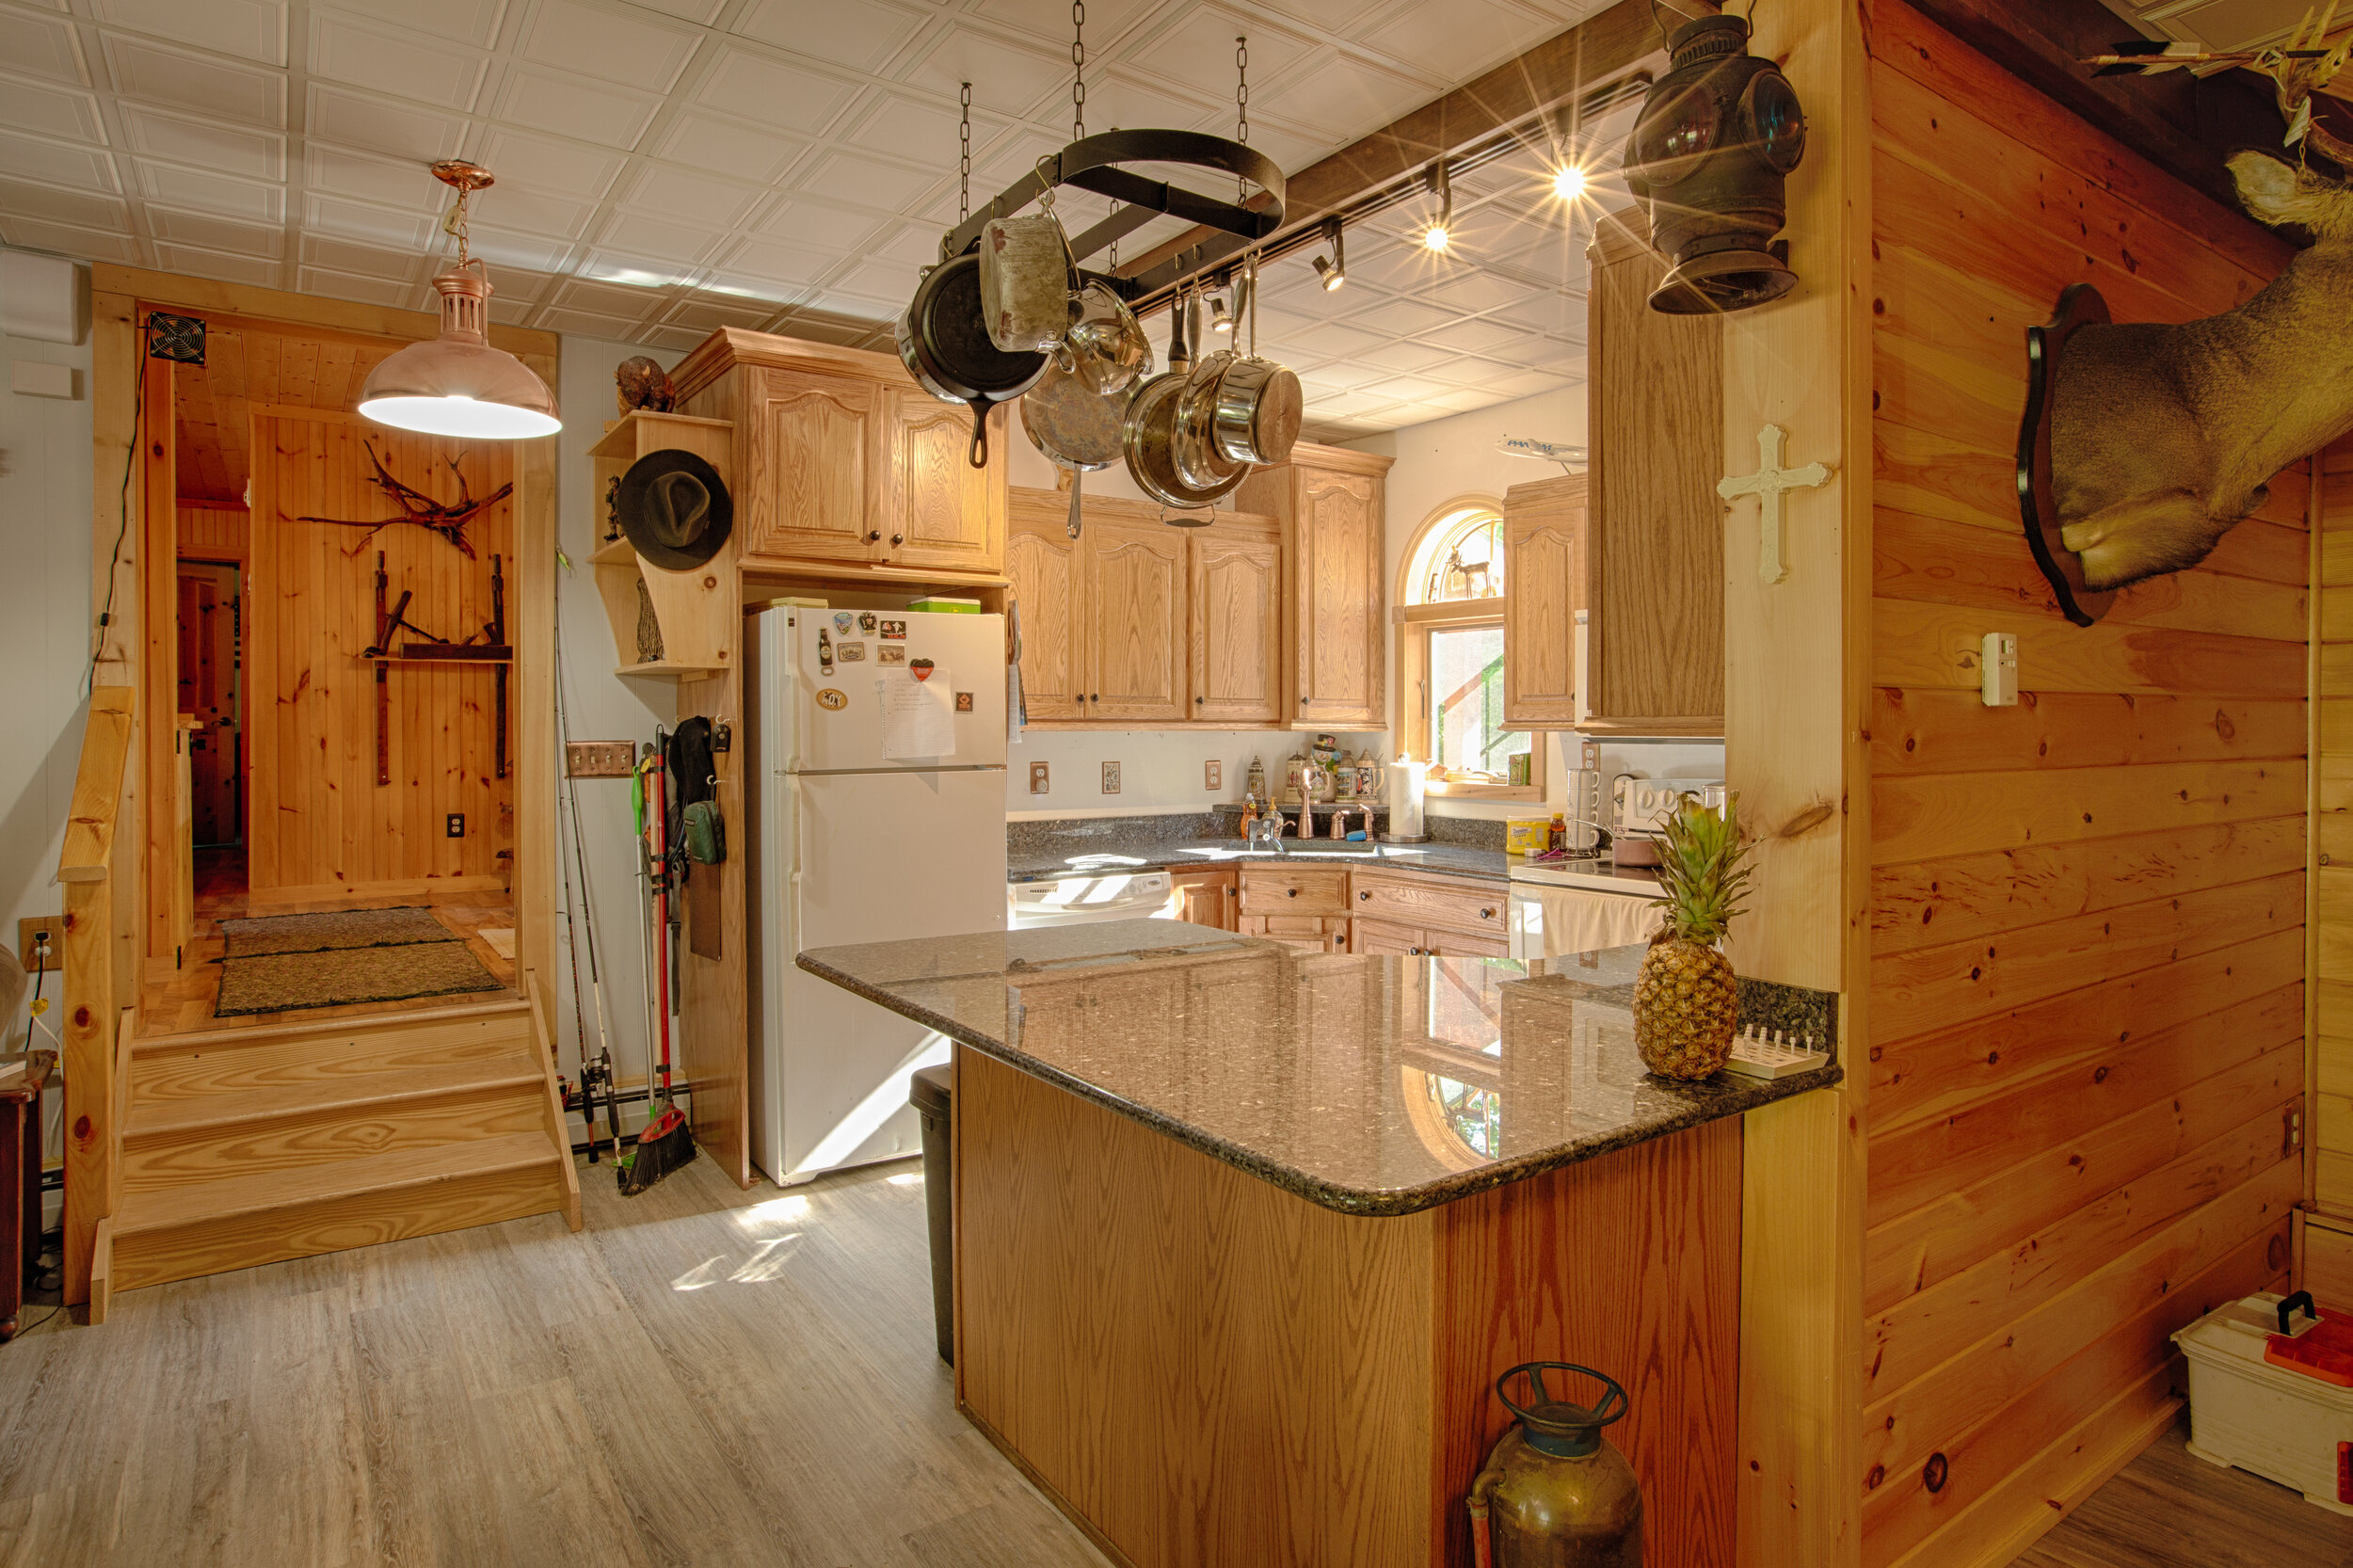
[674,509]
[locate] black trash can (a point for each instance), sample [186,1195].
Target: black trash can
[930,1091]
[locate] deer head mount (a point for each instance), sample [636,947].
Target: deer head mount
[2143,444]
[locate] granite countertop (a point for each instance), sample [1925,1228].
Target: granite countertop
[1371,1085]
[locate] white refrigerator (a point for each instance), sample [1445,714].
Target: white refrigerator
[879,748]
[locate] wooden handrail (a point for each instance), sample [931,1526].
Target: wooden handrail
[93,1119]
[90,830]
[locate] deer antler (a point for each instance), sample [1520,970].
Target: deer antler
[2297,72]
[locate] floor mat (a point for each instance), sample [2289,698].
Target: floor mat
[332,930]
[287,982]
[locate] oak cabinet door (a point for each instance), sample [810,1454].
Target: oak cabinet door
[1236,586]
[1205,898]
[1382,936]
[1044,566]
[1545,542]
[943,512]
[1338,601]
[1134,597]
[815,452]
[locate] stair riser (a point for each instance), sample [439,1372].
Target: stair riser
[195,1071]
[284,1142]
[360,1220]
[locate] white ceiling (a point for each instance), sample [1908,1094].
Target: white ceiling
[2217,23]
[669,167]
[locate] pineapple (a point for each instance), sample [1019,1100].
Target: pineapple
[1686,1006]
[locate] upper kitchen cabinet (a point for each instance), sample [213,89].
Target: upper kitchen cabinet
[1043,561]
[1330,505]
[1132,621]
[1654,545]
[1234,584]
[1545,540]
[848,465]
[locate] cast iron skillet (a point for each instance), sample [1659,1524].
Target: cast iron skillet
[944,344]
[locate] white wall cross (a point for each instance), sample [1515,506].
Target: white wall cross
[1769,485]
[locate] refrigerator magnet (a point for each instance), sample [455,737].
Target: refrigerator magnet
[832,698]
[920,668]
[888,655]
[865,623]
[964,702]
[842,621]
[850,653]
[825,651]
[895,630]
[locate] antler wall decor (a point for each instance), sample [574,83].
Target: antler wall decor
[448,521]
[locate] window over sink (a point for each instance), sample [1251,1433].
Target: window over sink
[1452,597]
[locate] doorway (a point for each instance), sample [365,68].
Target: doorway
[342,740]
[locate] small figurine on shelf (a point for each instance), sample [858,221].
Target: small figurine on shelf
[1294,779]
[1256,789]
[1370,784]
[1344,778]
[640,383]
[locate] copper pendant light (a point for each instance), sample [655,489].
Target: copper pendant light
[457,384]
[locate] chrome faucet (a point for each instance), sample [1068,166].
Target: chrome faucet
[1268,831]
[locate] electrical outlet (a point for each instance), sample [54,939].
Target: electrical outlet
[1040,778]
[1213,775]
[1997,656]
[599,759]
[1110,778]
[28,934]
[454,826]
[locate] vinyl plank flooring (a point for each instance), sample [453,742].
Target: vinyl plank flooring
[699,1378]
[2169,1509]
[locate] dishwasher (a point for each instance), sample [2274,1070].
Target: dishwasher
[1083,898]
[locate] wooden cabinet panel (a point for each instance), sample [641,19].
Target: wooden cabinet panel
[1287,891]
[1208,897]
[1044,565]
[1236,590]
[1421,900]
[809,492]
[1336,600]
[1545,540]
[1134,619]
[942,512]
[1448,944]
[1304,932]
[1655,603]
[1384,936]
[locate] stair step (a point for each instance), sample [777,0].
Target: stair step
[263,1217]
[362,1024]
[196,1066]
[205,1138]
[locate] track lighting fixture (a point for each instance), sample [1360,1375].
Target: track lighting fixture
[1334,272]
[1219,321]
[1568,182]
[1439,233]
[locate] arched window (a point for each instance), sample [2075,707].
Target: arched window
[1451,589]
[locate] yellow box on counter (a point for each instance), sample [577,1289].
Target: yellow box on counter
[1527,835]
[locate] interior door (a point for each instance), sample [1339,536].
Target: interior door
[210,631]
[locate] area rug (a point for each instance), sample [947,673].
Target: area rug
[334,929]
[288,982]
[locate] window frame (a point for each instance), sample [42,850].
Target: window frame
[1415,621]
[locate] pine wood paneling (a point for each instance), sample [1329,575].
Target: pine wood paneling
[2087,1004]
[212,533]
[320,820]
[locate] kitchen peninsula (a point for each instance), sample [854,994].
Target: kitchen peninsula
[1245,1235]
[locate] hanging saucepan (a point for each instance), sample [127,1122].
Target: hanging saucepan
[945,346]
[1076,426]
[1106,345]
[1193,449]
[1150,431]
[1029,283]
[1255,413]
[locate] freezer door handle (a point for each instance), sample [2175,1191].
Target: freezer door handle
[800,860]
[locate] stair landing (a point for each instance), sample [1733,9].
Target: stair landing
[254,1145]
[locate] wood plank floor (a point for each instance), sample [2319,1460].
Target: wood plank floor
[183,1003]
[702,1376]
[2168,1510]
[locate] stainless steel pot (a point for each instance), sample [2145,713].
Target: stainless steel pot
[1106,345]
[1256,413]
[1198,461]
[1075,427]
[1029,283]
[1151,429]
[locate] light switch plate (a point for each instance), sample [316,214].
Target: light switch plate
[599,759]
[1213,775]
[1997,659]
[1041,778]
[36,379]
[1110,778]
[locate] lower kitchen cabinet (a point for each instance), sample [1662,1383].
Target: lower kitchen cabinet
[1306,932]
[1209,898]
[1304,906]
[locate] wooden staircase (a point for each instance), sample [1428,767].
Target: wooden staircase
[246,1147]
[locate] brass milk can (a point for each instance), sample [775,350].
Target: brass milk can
[1556,1494]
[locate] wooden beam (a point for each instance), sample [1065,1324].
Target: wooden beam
[276,311]
[1593,53]
[2185,125]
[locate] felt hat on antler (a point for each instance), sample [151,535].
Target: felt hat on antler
[674,509]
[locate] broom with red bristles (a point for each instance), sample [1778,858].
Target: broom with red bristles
[667,1142]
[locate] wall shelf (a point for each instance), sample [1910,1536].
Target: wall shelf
[672,669]
[693,610]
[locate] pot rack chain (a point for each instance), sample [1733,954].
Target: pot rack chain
[1078,69]
[1242,109]
[964,167]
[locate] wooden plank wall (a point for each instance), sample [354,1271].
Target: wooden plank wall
[210,530]
[2087,1011]
[321,825]
[2327,1252]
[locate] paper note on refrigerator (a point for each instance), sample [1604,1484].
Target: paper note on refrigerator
[918,716]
